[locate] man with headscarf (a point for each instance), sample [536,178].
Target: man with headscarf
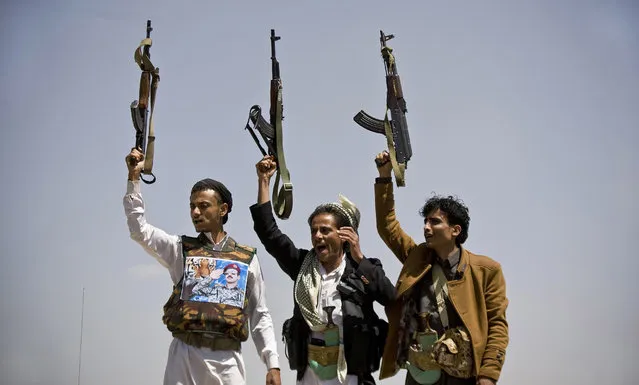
[206,348]
[335,336]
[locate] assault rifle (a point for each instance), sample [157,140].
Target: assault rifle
[395,130]
[271,133]
[142,122]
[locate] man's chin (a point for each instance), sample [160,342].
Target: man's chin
[323,256]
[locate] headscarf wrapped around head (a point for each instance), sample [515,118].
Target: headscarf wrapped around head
[344,207]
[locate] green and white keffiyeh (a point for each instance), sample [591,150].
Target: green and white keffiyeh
[307,289]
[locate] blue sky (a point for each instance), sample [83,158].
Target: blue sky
[525,110]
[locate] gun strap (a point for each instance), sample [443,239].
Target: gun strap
[147,66]
[283,201]
[387,53]
[398,168]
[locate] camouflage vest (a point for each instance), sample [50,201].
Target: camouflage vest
[199,302]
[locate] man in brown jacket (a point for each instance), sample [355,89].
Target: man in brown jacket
[474,295]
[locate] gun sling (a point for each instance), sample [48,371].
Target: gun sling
[398,168]
[283,199]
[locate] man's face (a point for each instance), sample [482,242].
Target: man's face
[207,211]
[326,242]
[438,232]
[231,276]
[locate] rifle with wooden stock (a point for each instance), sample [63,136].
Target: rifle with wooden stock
[395,129]
[142,119]
[271,133]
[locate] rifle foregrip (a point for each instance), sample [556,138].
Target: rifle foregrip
[370,123]
[275,87]
[145,86]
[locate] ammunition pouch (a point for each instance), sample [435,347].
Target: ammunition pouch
[294,343]
[365,333]
[453,352]
[366,346]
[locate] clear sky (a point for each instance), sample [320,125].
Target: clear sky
[527,110]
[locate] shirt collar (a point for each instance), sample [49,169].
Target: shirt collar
[337,272]
[452,261]
[219,245]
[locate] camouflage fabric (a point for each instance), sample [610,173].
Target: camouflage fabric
[214,318]
[453,352]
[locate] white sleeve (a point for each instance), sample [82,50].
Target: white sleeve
[261,323]
[165,248]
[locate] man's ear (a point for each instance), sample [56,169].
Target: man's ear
[224,209]
[456,230]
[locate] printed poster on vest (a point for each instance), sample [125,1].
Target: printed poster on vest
[214,280]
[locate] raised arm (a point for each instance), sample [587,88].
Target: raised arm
[162,246]
[276,243]
[388,226]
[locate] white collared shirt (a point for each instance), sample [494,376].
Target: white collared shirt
[329,296]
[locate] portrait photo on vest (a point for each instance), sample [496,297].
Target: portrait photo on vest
[214,280]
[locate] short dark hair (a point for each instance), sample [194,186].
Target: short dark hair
[455,210]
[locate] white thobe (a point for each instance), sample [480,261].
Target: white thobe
[186,364]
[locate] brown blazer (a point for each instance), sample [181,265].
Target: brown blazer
[479,296]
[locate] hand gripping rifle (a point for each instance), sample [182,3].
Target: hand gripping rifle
[145,139]
[395,130]
[271,133]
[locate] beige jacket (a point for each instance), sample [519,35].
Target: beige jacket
[479,297]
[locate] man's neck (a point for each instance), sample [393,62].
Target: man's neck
[216,236]
[332,265]
[443,253]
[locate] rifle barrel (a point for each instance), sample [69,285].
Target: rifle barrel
[148,35]
[275,66]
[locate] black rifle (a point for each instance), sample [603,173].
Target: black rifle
[142,122]
[271,133]
[395,130]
